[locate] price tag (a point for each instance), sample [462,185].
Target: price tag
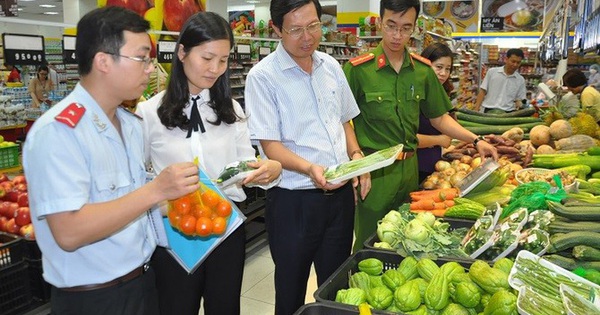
[243,53]
[165,51]
[68,43]
[263,52]
[21,49]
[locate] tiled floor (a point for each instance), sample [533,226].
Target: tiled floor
[258,288]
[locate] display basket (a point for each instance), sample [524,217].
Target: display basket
[9,156]
[454,224]
[519,176]
[40,289]
[12,250]
[15,293]
[339,279]
[324,309]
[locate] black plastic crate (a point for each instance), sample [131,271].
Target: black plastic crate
[324,309]
[454,224]
[339,279]
[12,250]
[15,292]
[33,251]
[40,289]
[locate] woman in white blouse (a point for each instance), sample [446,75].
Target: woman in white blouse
[196,117]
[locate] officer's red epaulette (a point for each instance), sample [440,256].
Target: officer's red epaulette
[421,59]
[71,115]
[361,59]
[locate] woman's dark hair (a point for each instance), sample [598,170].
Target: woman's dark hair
[436,51]
[200,28]
[279,8]
[43,68]
[574,78]
[399,6]
[101,30]
[14,67]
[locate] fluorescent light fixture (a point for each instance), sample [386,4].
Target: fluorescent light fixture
[50,13]
[20,9]
[47,6]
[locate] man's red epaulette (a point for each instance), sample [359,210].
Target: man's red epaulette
[362,59]
[71,115]
[421,59]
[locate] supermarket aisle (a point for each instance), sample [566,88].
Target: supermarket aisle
[258,289]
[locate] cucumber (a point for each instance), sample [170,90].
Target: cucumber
[571,264]
[488,120]
[588,253]
[559,226]
[595,150]
[562,241]
[578,213]
[500,129]
[466,123]
[517,113]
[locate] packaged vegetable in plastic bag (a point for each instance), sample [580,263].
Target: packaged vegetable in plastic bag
[535,240]
[234,173]
[202,213]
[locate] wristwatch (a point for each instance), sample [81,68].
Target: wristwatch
[479,138]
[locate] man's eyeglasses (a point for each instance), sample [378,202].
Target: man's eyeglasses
[147,61]
[393,29]
[297,32]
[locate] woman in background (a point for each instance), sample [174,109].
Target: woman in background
[196,117]
[40,87]
[430,139]
[14,74]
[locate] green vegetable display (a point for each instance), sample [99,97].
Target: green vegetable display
[376,281]
[489,279]
[352,296]
[422,285]
[380,297]
[346,168]
[467,294]
[504,264]
[371,266]
[393,279]
[408,268]
[422,310]
[451,268]
[454,309]
[408,297]
[437,296]
[427,268]
[501,303]
[360,280]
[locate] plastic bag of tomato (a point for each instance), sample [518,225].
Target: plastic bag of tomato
[202,213]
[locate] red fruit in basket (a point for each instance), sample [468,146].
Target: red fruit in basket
[27,232]
[23,200]
[7,185]
[2,193]
[12,196]
[4,178]
[11,227]
[19,179]
[5,209]
[3,221]
[20,187]
[23,216]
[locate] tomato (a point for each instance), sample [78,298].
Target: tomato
[201,210]
[223,208]
[195,198]
[210,198]
[182,205]
[174,218]
[219,225]
[204,226]
[187,224]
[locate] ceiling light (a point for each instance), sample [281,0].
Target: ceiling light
[27,0]
[50,13]
[47,6]
[20,9]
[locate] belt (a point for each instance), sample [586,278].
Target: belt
[327,192]
[122,279]
[405,155]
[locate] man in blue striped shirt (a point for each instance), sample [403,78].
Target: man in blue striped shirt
[299,109]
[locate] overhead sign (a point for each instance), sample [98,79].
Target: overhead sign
[489,24]
[21,49]
[165,50]
[68,43]
[8,8]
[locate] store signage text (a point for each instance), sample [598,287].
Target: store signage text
[492,24]
[69,49]
[20,49]
[165,51]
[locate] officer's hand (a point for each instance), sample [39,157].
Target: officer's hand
[486,149]
[177,180]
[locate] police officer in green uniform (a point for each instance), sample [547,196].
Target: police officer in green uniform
[391,87]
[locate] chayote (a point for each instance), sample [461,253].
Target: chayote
[360,280]
[408,297]
[371,266]
[380,297]
[467,294]
[454,309]
[422,285]
[393,279]
[352,296]
[501,303]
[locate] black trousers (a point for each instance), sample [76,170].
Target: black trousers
[135,297]
[218,280]
[306,226]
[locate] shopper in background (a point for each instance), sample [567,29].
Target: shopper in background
[576,82]
[392,88]
[84,164]
[40,87]
[14,74]
[594,79]
[299,108]
[200,83]
[52,74]
[503,88]
[430,140]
